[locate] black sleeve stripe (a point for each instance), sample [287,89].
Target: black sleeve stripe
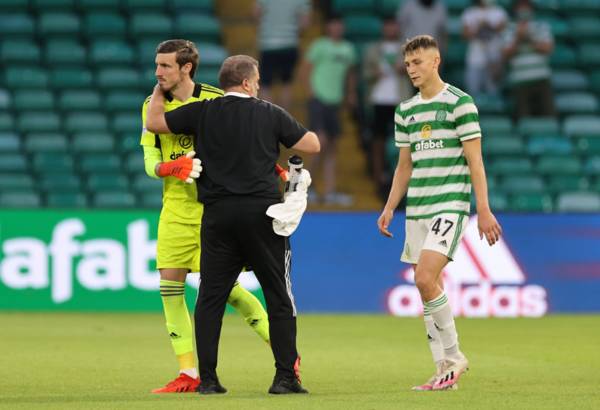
[157,142]
[210,88]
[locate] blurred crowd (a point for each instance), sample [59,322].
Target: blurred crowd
[507,56]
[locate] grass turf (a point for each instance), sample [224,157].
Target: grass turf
[111,361]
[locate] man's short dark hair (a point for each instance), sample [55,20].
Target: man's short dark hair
[235,70]
[419,42]
[186,52]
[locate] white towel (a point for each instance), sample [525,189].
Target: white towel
[286,215]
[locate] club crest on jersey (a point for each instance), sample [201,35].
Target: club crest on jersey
[185,141]
[440,115]
[426,131]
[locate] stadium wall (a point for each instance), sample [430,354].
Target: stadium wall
[104,261]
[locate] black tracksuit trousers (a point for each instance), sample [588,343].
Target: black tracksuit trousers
[236,232]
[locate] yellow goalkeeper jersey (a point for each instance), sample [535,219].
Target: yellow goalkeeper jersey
[180,200]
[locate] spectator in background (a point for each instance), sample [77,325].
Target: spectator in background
[417,17]
[483,24]
[388,83]
[527,45]
[280,24]
[328,69]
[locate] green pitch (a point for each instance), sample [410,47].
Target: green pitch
[112,361]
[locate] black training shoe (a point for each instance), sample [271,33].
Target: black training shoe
[211,387]
[286,386]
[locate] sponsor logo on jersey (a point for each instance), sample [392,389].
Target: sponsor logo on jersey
[426,145]
[185,141]
[175,155]
[426,131]
[440,115]
[412,118]
[482,281]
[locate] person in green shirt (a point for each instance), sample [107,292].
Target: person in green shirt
[329,71]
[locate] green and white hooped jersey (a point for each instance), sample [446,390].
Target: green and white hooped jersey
[434,130]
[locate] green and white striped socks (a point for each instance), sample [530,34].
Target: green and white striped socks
[443,320]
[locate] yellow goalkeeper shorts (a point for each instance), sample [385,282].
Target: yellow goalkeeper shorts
[178,246]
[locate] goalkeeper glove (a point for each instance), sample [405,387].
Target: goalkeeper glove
[185,168]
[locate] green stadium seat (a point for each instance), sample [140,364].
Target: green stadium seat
[107,182]
[54,5]
[60,182]
[589,55]
[489,104]
[33,100]
[122,199]
[142,183]
[522,184]
[455,55]
[134,163]
[52,163]
[58,24]
[504,146]
[110,52]
[148,78]
[592,165]
[20,200]
[389,8]
[63,52]
[555,165]
[93,143]
[594,79]
[152,5]
[127,122]
[150,200]
[9,141]
[206,75]
[42,121]
[511,166]
[498,201]
[344,7]
[205,6]
[363,28]
[13,162]
[61,78]
[99,5]
[578,7]
[558,26]
[104,25]
[7,122]
[578,202]
[15,182]
[576,103]
[531,203]
[67,200]
[549,144]
[129,142]
[150,24]
[88,121]
[581,125]
[100,164]
[146,52]
[118,78]
[46,142]
[198,26]
[538,125]
[454,27]
[457,6]
[124,101]
[495,125]
[563,56]
[562,183]
[19,51]
[19,25]
[211,54]
[585,28]
[589,145]
[79,100]
[5,99]
[569,80]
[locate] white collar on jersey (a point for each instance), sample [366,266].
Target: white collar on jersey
[241,95]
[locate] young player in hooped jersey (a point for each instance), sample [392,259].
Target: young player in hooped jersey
[439,138]
[169,156]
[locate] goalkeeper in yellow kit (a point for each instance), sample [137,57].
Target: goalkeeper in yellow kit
[178,247]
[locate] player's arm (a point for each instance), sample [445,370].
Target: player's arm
[155,116]
[399,187]
[486,221]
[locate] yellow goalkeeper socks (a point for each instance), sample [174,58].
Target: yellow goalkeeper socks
[251,309]
[179,324]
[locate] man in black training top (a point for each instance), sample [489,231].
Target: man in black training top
[237,139]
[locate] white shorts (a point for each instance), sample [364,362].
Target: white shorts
[442,234]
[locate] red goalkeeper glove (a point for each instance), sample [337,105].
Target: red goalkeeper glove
[186,168]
